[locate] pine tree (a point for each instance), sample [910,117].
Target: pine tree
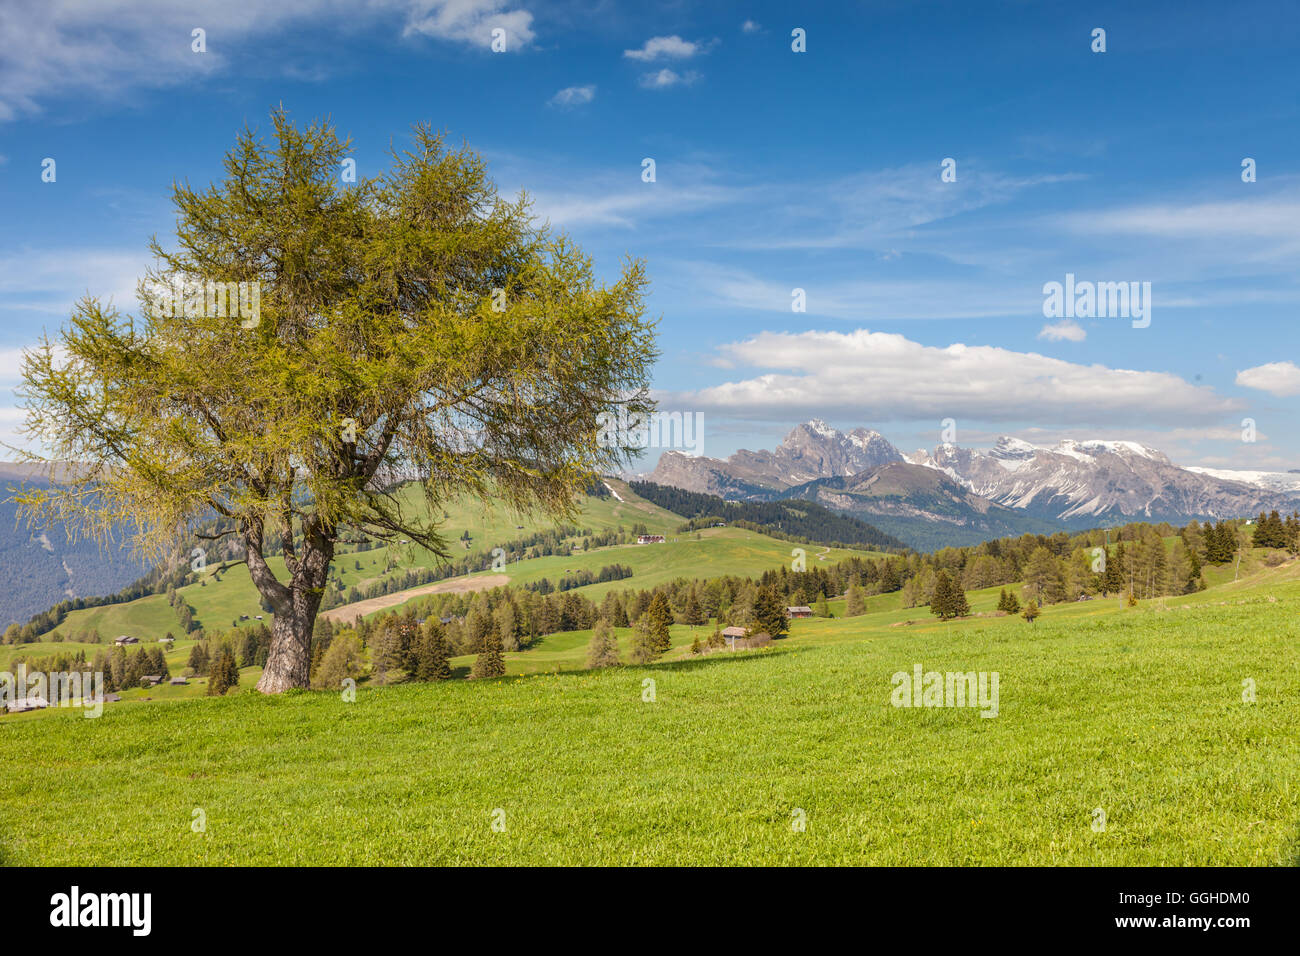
[1194,580]
[941,600]
[1112,582]
[603,649]
[199,658]
[1013,603]
[957,602]
[224,672]
[645,648]
[660,617]
[769,613]
[1263,532]
[694,615]
[1031,612]
[489,662]
[856,603]
[432,663]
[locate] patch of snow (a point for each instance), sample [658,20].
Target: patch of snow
[1270,480]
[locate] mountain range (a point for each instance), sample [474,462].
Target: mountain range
[45,567]
[960,495]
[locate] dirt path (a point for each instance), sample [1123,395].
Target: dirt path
[350,612]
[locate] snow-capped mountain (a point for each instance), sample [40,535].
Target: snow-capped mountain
[810,451]
[1109,480]
[1079,482]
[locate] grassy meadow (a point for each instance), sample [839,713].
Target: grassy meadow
[1137,712]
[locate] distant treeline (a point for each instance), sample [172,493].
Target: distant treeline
[581,578]
[804,522]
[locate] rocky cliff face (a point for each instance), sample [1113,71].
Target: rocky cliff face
[810,451]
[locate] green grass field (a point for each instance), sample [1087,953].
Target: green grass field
[1137,712]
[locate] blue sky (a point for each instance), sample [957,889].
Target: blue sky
[775,170]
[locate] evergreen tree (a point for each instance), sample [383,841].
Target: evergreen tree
[603,649]
[941,600]
[645,647]
[1194,580]
[224,672]
[1031,612]
[856,603]
[489,662]
[431,662]
[823,609]
[1112,582]
[199,658]
[660,616]
[769,613]
[957,602]
[694,615]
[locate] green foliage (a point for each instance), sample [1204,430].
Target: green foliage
[343,661]
[856,602]
[769,613]
[645,643]
[603,649]
[433,654]
[659,618]
[490,662]
[394,318]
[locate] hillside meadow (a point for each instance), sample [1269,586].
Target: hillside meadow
[1134,712]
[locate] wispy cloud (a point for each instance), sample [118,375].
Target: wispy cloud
[664,48]
[572,96]
[1067,330]
[665,79]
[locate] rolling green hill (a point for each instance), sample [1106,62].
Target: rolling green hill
[224,595]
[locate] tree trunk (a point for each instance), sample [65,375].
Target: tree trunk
[288,664]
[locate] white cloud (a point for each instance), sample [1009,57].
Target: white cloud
[1065,330]
[59,48]
[663,79]
[749,26]
[881,376]
[1277,378]
[669,48]
[574,96]
[470,21]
